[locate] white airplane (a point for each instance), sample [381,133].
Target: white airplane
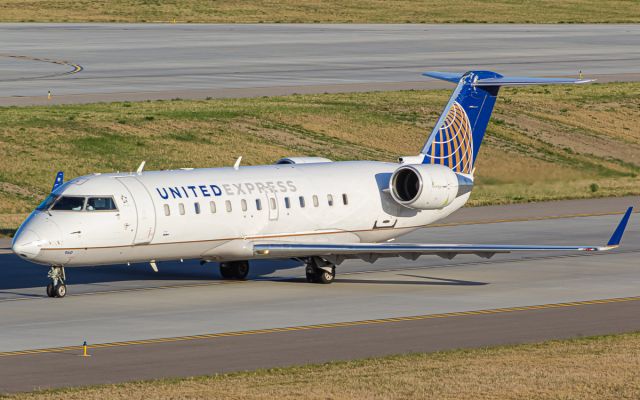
[305,208]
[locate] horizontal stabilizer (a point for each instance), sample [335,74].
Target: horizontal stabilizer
[525,81]
[499,80]
[444,76]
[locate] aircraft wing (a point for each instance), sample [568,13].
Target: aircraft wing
[373,251]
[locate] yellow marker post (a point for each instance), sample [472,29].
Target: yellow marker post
[174,20]
[49,95]
[84,350]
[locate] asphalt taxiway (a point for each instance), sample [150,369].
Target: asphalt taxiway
[182,321]
[82,63]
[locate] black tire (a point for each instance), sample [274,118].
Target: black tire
[325,277]
[60,290]
[312,276]
[50,291]
[237,270]
[226,271]
[241,270]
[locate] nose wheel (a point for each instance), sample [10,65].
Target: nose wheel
[57,287]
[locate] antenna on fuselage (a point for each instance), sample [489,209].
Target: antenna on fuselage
[140,168]
[237,164]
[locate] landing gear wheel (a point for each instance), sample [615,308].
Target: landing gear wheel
[311,274]
[226,271]
[326,277]
[50,291]
[242,270]
[61,290]
[57,287]
[237,270]
[319,270]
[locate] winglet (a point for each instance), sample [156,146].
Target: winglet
[59,180]
[617,235]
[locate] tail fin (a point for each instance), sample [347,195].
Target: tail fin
[458,134]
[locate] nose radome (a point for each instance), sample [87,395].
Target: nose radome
[27,244]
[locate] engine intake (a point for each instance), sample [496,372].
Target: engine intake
[427,186]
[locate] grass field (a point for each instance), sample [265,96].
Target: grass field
[317,11]
[582,369]
[543,143]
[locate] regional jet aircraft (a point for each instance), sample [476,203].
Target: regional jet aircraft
[305,208]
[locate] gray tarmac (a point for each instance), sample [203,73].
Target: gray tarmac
[123,304]
[107,62]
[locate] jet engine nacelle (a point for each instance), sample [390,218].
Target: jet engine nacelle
[424,186]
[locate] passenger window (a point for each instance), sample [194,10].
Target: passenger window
[258,205]
[101,204]
[287,203]
[196,207]
[167,210]
[243,204]
[316,203]
[212,205]
[68,203]
[272,202]
[227,204]
[301,198]
[181,208]
[345,200]
[330,200]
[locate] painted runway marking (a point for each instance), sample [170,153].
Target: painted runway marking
[75,68]
[321,326]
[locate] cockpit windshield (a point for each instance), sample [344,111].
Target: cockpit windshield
[101,204]
[77,203]
[69,203]
[44,206]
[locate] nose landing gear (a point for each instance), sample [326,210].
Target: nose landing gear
[57,287]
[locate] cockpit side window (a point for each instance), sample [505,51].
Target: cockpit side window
[44,206]
[69,203]
[101,204]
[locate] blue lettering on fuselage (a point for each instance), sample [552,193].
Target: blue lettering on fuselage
[245,188]
[179,192]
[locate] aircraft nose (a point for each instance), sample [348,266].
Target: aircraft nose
[27,244]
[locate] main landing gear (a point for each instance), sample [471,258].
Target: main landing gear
[57,287]
[319,270]
[237,270]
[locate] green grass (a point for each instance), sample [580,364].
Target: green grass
[601,368]
[543,143]
[322,11]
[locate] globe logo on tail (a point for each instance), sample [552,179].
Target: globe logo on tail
[452,145]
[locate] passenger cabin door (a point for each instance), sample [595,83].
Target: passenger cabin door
[145,209]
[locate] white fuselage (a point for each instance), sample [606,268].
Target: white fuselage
[217,213]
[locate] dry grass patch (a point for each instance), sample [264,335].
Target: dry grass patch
[589,368]
[331,11]
[543,143]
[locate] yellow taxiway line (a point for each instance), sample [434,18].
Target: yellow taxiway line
[321,326]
